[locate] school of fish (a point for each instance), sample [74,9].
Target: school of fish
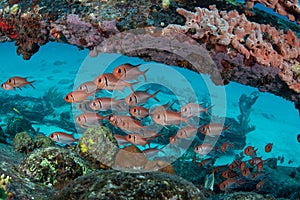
[137,123]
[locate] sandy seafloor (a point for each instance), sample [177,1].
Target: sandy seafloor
[276,120]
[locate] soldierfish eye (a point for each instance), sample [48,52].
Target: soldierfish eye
[79,119]
[9,80]
[67,97]
[51,136]
[134,110]
[119,71]
[130,99]
[100,80]
[129,136]
[94,104]
[158,116]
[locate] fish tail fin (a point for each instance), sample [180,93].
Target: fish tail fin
[206,110]
[30,83]
[144,74]
[153,95]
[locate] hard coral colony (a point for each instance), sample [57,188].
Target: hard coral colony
[120,133]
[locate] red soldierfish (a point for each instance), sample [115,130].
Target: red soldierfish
[137,139]
[140,97]
[77,96]
[193,109]
[88,87]
[167,117]
[212,129]
[128,72]
[62,138]
[104,103]
[139,112]
[18,82]
[88,119]
[110,82]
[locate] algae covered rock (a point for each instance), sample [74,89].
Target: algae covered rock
[41,140]
[98,145]
[23,142]
[111,184]
[53,165]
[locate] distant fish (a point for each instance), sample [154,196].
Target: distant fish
[77,96]
[88,87]
[226,146]
[209,181]
[139,97]
[250,151]
[62,138]
[129,72]
[18,82]
[110,82]
[268,147]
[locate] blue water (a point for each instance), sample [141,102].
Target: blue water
[276,120]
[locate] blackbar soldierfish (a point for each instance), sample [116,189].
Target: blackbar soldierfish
[6,86]
[105,103]
[110,82]
[186,132]
[77,96]
[88,87]
[88,119]
[62,138]
[193,109]
[140,97]
[139,112]
[128,72]
[203,149]
[167,117]
[213,129]
[137,139]
[18,82]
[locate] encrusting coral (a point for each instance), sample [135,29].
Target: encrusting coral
[289,8]
[4,180]
[248,38]
[262,43]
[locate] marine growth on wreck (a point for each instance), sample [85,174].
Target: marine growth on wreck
[149,99]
